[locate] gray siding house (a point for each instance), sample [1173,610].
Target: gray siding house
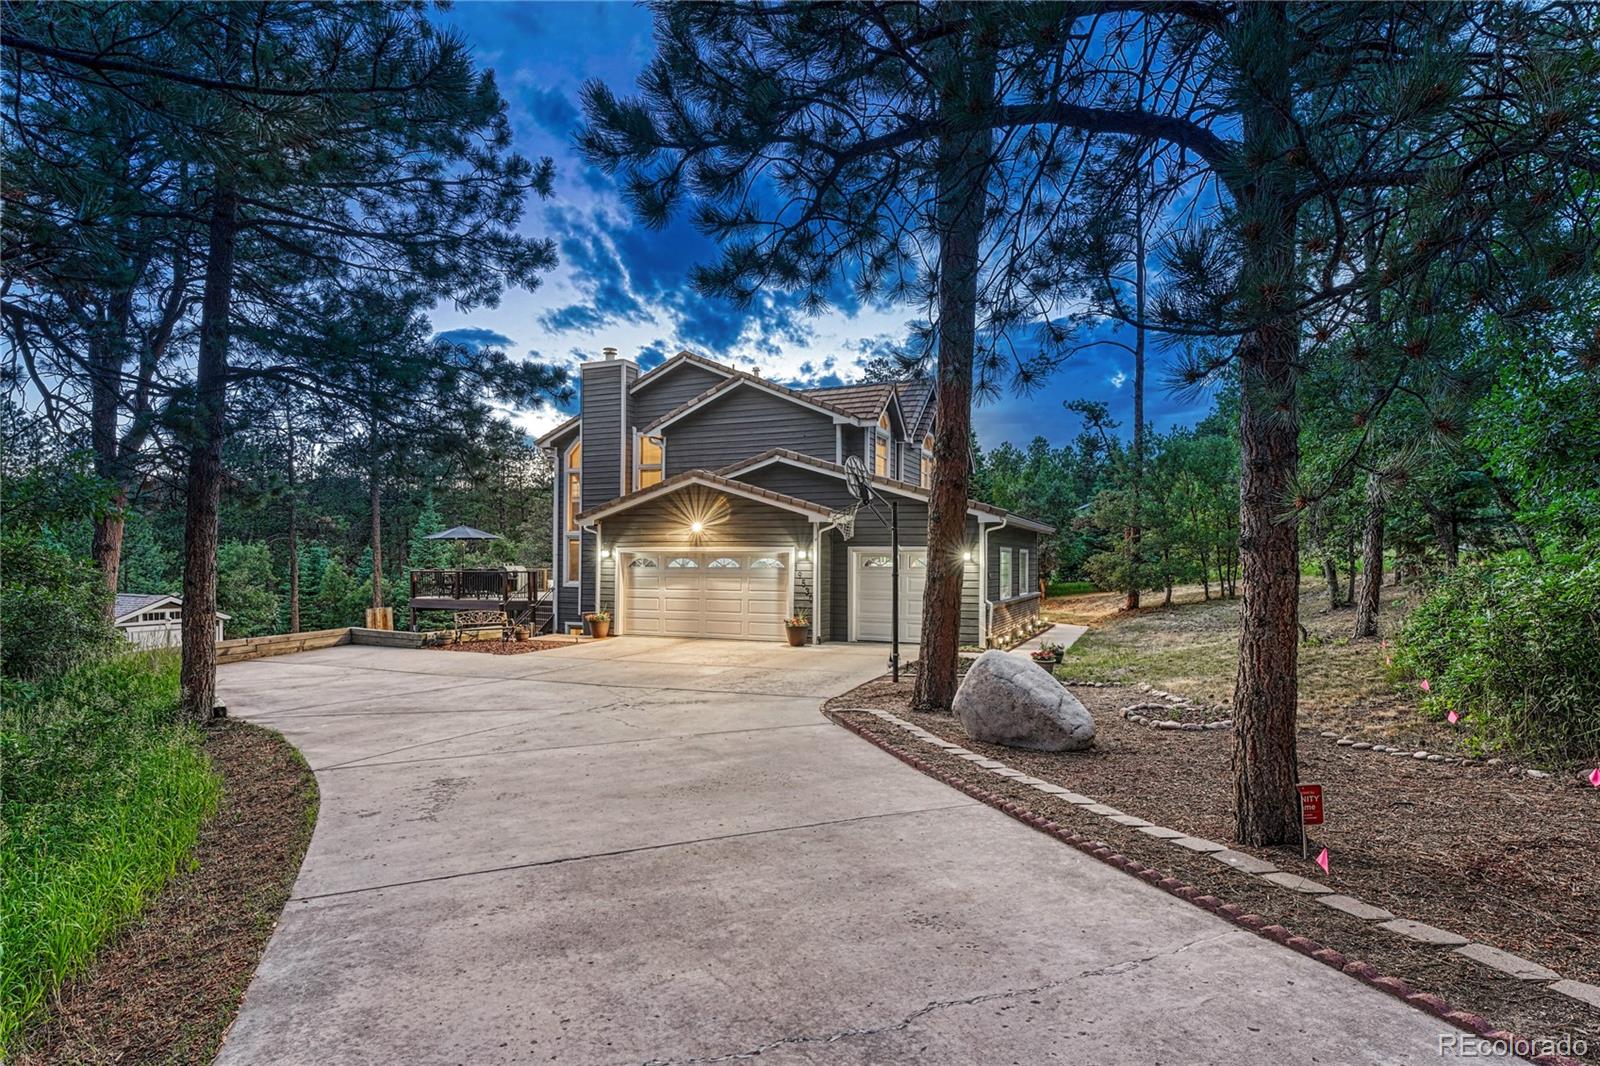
[698,500]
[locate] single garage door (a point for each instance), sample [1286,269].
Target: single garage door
[870,593]
[736,595]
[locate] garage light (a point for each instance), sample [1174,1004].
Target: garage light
[605,553]
[697,526]
[801,555]
[966,557]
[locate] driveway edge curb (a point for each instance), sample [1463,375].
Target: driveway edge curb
[1397,987]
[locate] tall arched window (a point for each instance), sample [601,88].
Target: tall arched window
[574,566]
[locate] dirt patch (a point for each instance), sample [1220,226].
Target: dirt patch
[1500,859]
[166,989]
[504,647]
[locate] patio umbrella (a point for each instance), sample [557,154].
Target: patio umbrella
[463,533]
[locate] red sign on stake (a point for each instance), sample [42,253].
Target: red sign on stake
[1310,804]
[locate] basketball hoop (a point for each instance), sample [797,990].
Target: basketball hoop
[845,521]
[855,479]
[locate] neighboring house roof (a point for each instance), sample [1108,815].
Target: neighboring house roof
[902,487]
[129,604]
[863,401]
[740,379]
[650,377]
[708,479]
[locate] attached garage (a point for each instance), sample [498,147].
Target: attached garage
[727,593]
[871,587]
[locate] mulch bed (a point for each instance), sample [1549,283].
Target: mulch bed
[1501,859]
[503,647]
[165,990]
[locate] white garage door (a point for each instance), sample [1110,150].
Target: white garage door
[737,595]
[871,594]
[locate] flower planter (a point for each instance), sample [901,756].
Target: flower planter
[798,636]
[600,628]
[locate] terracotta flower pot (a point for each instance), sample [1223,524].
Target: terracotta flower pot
[798,636]
[601,628]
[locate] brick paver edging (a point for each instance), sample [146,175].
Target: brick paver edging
[1099,849]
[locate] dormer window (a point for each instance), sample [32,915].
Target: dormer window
[649,465]
[880,447]
[574,464]
[927,462]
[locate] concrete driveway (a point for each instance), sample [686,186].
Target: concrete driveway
[656,851]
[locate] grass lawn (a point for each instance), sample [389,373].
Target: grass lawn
[102,795]
[1192,649]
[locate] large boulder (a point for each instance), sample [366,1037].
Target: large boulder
[1007,699]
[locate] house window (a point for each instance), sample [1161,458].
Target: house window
[1006,587]
[1022,571]
[723,563]
[876,562]
[574,506]
[927,462]
[766,562]
[642,562]
[880,448]
[682,562]
[650,455]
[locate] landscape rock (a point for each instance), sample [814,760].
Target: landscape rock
[1008,700]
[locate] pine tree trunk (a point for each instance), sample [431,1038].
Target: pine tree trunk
[1371,584]
[1265,802]
[294,527]
[1446,535]
[963,168]
[1134,532]
[198,676]
[106,361]
[1330,573]
[377,539]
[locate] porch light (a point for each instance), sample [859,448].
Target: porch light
[605,553]
[966,557]
[800,554]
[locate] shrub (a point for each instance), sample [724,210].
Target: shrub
[52,609]
[102,794]
[1509,644]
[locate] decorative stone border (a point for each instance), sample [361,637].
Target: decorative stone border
[1247,866]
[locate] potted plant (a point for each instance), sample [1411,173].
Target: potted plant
[1047,654]
[599,624]
[798,629]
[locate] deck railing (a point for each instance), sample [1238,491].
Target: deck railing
[490,586]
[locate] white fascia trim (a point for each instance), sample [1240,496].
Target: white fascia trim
[904,488]
[729,386]
[650,377]
[623,503]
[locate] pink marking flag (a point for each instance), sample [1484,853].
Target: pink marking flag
[1594,777]
[1425,686]
[1322,860]
[1453,717]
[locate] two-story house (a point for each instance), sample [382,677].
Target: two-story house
[698,500]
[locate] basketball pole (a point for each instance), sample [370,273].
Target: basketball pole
[894,590]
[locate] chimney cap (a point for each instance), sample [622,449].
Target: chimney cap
[609,352]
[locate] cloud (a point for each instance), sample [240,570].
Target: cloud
[1118,379]
[551,110]
[475,338]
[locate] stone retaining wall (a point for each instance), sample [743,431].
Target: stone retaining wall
[242,648]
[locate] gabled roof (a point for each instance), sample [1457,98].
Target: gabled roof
[560,431]
[740,379]
[129,604]
[916,402]
[889,484]
[863,401]
[711,480]
[683,358]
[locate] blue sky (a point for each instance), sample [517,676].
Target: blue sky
[622,284]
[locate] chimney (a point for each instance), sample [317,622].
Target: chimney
[609,353]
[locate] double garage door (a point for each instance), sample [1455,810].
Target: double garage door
[736,595]
[871,587]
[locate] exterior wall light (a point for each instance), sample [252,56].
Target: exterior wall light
[605,553]
[800,554]
[697,526]
[966,557]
